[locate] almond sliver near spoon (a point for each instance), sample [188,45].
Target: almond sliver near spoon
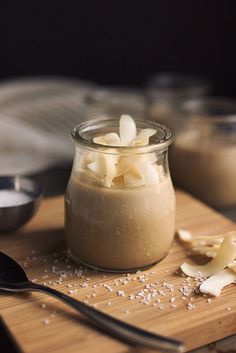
[14,279]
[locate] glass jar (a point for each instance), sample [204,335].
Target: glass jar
[115,219]
[203,156]
[168,90]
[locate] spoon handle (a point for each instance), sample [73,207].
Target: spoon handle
[115,327]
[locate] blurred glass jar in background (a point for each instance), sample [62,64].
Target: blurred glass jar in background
[113,101]
[167,90]
[203,157]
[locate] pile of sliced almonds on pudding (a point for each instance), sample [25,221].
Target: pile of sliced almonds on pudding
[221,270]
[131,170]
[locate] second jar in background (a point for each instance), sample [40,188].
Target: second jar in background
[203,156]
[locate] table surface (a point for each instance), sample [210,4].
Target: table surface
[54,183]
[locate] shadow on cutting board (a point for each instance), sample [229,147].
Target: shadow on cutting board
[7,341]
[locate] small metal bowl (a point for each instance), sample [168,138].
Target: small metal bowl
[14,216]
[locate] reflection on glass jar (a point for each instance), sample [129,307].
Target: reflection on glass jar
[203,157]
[120,202]
[166,92]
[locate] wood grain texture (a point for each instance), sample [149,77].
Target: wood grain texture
[68,331]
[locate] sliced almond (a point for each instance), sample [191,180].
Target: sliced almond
[110,173]
[98,166]
[143,136]
[125,163]
[214,284]
[127,130]
[148,172]
[225,255]
[99,140]
[133,178]
[184,235]
[112,139]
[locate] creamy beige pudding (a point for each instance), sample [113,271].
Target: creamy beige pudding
[120,204]
[116,228]
[206,167]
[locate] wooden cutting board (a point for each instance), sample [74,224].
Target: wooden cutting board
[43,324]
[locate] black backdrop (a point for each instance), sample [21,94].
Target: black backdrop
[122,42]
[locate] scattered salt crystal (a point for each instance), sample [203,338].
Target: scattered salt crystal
[228,309]
[121,293]
[84,285]
[109,303]
[46,322]
[190,306]
[161,292]
[43,306]
[209,300]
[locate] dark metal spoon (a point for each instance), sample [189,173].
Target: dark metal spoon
[14,279]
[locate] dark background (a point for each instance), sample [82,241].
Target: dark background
[122,42]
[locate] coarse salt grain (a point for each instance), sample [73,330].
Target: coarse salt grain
[121,293]
[190,306]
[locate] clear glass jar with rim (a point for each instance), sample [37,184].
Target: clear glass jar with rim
[120,202]
[203,156]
